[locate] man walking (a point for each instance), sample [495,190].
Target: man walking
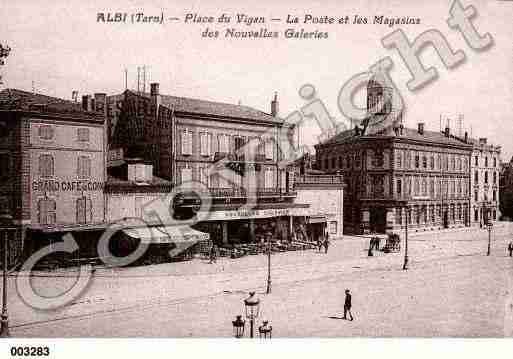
[510,248]
[347,306]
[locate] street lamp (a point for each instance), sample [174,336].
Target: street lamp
[252,305]
[5,223]
[489,228]
[407,212]
[238,327]
[268,291]
[265,330]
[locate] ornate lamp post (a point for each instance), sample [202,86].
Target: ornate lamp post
[238,327]
[268,291]
[252,305]
[265,330]
[407,212]
[489,227]
[5,223]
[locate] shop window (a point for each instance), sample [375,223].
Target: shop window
[47,211]
[46,166]
[84,210]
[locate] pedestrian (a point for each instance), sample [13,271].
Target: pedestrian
[319,243]
[213,253]
[326,244]
[371,245]
[510,248]
[347,306]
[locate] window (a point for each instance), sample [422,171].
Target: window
[453,163]
[476,196]
[84,167]
[269,178]
[46,211]
[333,227]
[187,143]
[486,177]
[5,165]
[398,215]
[399,159]
[46,132]
[424,187]
[476,215]
[204,178]
[494,177]
[416,189]
[424,161]
[83,134]
[46,168]
[486,161]
[432,188]
[416,161]
[476,177]
[494,162]
[494,195]
[84,210]
[269,149]
[399,187]
[205,143]
[333,162]
[432,162]
[476,161]
[378,158]
[340,162]
[186,174]
[326,163]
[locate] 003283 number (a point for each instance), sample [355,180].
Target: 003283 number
[30,351]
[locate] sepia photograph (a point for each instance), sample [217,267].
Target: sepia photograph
[286,172]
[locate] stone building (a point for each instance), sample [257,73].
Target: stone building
[52,162]
[484,182]
[393,174]
[232,150]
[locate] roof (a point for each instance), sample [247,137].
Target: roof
[408,133]
[19,100]
[197,106]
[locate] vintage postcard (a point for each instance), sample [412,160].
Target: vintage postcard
[255,170]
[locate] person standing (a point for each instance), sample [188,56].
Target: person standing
[326,244]
[347,306]
[213,253]
[510,248]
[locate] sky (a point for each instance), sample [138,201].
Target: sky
[60,46]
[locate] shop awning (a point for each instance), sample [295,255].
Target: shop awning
[166,234]
[317,219]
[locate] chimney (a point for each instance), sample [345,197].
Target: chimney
[155,96]
[466,137]
[100,103]
[447,131]
[421,128]
[482,140]
[274,105]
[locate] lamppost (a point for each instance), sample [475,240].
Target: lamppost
[5,223]
[489,227]
[265,330]
[268,291]
[238,327]
[252,305]
[407,213]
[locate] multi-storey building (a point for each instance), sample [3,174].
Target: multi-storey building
[484,182]
[506,189]
[52,162]
[233,150]
[394,174]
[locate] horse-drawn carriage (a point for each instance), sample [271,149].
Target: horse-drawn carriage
[393,243]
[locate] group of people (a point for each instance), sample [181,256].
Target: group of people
[323,242]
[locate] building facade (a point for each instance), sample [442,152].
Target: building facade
[52,158]
[395,174]
[485,172]
[232,150]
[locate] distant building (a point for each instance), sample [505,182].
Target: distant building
[506,190]
[395,174]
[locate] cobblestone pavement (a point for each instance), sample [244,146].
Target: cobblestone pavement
[451,289]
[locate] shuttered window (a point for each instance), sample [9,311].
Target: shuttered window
[205,144]
[84,210]
[84,167]
[187,142]
[47,211]
[46,166]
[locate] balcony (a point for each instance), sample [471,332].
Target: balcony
[319,180]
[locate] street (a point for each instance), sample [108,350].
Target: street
[451,289]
